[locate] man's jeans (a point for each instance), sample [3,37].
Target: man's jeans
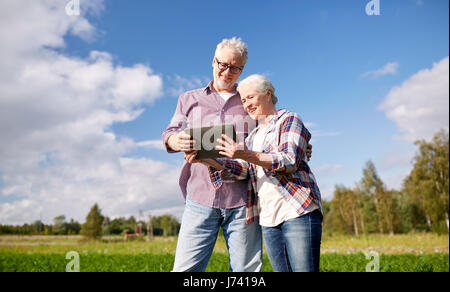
[199,229]
[294,245]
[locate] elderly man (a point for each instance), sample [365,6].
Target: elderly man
[208,206]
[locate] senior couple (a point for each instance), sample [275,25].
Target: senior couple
[261,188]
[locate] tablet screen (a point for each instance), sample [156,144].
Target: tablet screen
[206,139]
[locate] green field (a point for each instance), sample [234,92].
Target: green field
[400,253]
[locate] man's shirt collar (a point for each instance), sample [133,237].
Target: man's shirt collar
[209,88]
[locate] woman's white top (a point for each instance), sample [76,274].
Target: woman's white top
[273,209]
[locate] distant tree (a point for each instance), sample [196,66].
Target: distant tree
[345,211]
[428,182]
[345,203]
[115,226]
[48,230]
[73,227]
[334,219]
[372,185]
[92,229]
[411,215]
[167,225]
[38,227]
[130,224]
[105,226]
[58,224]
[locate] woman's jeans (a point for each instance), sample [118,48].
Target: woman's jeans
[294,245]
[199,229]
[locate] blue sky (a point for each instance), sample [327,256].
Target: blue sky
[315,53]
[329,61]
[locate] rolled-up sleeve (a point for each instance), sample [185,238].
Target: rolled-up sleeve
[237,167]
[291,150]
[177,124]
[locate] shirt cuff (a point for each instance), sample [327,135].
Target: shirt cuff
[216,177]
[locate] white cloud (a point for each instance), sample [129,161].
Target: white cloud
[395,158]
[155,144]
[121,188]
[57,154]
[388,69]
[395,164]
[178,84]
[177,212]
[394,180]
[420,106]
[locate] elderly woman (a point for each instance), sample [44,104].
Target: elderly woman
[283,193]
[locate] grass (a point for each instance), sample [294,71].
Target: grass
[19,262]
[420,243]
[407,253]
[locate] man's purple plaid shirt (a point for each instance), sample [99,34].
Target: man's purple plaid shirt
[204,107]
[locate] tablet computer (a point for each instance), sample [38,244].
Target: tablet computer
[206,139]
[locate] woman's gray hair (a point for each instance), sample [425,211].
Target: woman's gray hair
[236,44]
[261,83]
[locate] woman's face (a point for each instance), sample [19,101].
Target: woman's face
[257,104]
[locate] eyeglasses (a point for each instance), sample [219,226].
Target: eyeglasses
[225,66]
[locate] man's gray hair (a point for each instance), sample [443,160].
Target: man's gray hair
[261,83]
[236,44]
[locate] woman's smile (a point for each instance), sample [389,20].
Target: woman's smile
[251,109]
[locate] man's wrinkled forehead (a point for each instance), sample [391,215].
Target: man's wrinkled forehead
[229,56]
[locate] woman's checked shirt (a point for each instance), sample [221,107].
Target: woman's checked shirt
[286,142]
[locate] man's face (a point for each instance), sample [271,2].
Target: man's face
[224,80]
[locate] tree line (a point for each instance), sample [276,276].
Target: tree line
[95,226]
[422,204]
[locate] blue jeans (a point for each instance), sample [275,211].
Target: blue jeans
[294,245]
[198,234]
